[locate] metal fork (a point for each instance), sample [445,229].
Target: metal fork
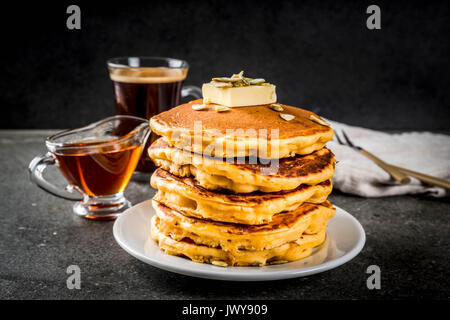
[398,173]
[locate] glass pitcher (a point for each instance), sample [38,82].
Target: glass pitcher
[97,161]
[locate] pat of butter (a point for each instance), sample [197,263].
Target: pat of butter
[240,96]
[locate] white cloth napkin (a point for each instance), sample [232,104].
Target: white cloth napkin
[424,152]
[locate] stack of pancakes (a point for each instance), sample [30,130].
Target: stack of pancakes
[232,196]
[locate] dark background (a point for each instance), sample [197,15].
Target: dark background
[320,55]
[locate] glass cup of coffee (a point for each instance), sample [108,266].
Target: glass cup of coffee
[146,86]
[97,161]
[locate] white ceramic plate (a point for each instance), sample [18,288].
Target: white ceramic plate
[345,239]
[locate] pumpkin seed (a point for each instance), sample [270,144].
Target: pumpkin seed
[276,107]
[240,75]
[246,82]
[219,263]
[198,107]
[318,120]
[278,262]
[221,84]
[225,79]
[257,81]
[287,117]
[240,84]
[219,108]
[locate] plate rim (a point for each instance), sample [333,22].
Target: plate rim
[222,274]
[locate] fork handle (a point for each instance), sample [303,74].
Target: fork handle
[425,178]
[395,173]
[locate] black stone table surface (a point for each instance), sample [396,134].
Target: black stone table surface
[407,237]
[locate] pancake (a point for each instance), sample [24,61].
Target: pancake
[241,131]
[242,175]
[188,197]
[292,251]
[285,227]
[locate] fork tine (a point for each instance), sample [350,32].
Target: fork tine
[350,143]
[338,139]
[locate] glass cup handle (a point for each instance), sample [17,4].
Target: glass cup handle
[37,167]
[194,91]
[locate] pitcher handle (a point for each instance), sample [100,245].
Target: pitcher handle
[37,167]
[194,91]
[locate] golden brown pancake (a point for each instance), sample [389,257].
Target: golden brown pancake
[292,251]
[188,197]
[241,131]
[285,227]
[242,175]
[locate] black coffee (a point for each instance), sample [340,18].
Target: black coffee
[145,92]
